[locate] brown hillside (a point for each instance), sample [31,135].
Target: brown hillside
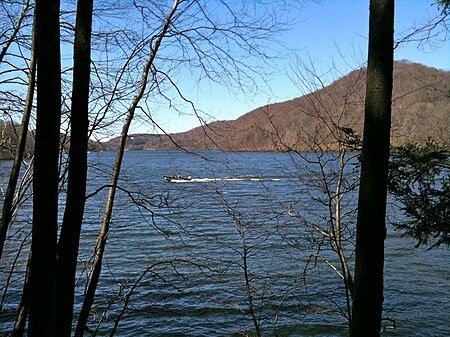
[421,109]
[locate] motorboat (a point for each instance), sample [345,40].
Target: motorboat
[177,177]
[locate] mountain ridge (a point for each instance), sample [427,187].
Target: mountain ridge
[420,110]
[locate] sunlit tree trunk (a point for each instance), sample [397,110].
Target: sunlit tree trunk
[45,177]
[101,241]
[371,227]
[337,233]
[76,187]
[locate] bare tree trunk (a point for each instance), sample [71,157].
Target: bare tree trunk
[22,314]
[348,281]
[101,241]
[45,177]
[248,290]
[7,210]
[371,227]
[77,173]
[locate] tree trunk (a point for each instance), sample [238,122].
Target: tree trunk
[7,210]
[22,313]
[76,186]
[371,227]
[101,241]
[45,178]
[337,233]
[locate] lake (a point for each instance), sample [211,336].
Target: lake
[183,258]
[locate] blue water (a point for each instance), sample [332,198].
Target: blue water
[176,251]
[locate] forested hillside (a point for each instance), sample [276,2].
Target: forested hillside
[421,109]
[10,134]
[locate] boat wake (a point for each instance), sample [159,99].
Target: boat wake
[227,179]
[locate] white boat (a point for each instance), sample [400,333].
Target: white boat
[177,177]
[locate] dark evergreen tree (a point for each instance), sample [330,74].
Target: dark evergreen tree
[419,177]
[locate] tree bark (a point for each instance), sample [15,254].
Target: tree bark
[371,227]
[77,173]
[45,178]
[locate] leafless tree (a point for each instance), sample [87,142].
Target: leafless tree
[196,32]
[431,33]
[7,209]
[328,170]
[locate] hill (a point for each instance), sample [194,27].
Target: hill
[10,136]
[421,109]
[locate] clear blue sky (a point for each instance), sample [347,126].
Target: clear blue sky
[328,33]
